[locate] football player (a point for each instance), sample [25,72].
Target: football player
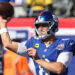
[51,55]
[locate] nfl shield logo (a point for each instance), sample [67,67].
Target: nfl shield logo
[60,47]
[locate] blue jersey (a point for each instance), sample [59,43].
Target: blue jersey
[49,53]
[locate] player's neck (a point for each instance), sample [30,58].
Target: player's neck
[49,40]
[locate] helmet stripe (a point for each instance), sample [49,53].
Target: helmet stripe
[41,13]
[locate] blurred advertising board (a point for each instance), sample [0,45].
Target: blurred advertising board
[24,28]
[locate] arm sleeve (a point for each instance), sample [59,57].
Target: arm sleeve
[70,46]
[21,47]
[65,58]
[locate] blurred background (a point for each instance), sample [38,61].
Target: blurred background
[21,25]
[30,8]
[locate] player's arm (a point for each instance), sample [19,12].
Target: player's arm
[57,67]
[5,36]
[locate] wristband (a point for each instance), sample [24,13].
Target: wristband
[3,30]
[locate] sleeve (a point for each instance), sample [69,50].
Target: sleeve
[21,47]
[69,46]
[29,43]
[65,58]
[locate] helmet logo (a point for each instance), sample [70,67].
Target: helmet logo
[39,19]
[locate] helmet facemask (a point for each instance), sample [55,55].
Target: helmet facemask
[48,33]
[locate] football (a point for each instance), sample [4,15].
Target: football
[6,10]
